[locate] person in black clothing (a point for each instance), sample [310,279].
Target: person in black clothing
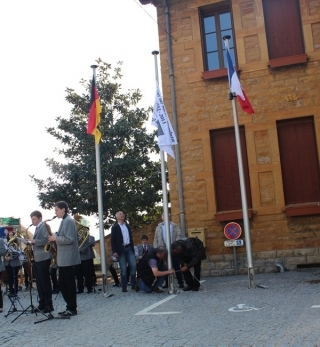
[190,252]
[152,271]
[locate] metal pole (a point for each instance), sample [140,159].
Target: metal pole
[175,123]
[235,261]
[242,186]
[171,289]
[105,286]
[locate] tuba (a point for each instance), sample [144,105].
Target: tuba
[82,229]
[51,246]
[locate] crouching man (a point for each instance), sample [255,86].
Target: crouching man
[152,271]
[190,251]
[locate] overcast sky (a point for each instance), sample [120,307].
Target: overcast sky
[47,46]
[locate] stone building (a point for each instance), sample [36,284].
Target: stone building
[275,45]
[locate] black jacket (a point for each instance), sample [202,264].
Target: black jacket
[192,251]
[144,270]
[117,239]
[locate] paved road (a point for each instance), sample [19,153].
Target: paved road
[224,313]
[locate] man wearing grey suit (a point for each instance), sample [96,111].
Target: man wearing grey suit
[42,262]
[67,257]
[144,248]
[86,266]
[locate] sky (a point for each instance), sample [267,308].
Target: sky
[47,46]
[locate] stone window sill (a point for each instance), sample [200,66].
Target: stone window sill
[302,209]
[228,216]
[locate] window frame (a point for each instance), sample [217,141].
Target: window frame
[287,41]
[223,145]
[204,12]
[299,160]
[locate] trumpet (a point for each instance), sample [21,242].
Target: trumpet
[51,246]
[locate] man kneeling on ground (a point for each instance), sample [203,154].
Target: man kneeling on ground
[151,271]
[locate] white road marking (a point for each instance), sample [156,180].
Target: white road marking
[146,310]
[315,306]
[243,308]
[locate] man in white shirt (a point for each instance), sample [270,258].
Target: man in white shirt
[123,249]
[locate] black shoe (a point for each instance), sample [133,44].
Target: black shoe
[124,290]
[116,285]
[79,291]
[89,291]
[157,289]
[69,313]
[195,289]
[187,288]
[181,285]
[61,313]
[47,309]
[41,308]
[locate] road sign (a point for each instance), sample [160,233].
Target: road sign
[233,243]
[232,231]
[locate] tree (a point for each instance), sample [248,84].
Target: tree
[131,180]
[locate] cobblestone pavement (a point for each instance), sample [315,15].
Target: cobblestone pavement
[223,313]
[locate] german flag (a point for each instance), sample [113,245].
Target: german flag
[94,113]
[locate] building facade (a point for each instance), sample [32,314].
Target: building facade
[275,45]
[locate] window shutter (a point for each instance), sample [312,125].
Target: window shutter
[299,160]
[225,168]
[283,28]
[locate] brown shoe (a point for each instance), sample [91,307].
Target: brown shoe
[124,290]
[157,289]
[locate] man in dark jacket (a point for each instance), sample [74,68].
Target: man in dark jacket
[190,252]
[151,271]
[123,249]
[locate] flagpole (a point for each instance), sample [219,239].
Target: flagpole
[105,286]
[242,182]
[171,289]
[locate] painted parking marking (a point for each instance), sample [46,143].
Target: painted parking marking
[244,308]
[146,310]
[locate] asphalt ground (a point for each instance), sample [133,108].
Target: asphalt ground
[283,310]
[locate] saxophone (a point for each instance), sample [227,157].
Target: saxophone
[51,246]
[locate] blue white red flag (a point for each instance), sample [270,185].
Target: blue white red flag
[235,86]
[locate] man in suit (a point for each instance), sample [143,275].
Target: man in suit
[123,249]
[85,268]
[144,248]
[160,241]
[41,264]
[67,257]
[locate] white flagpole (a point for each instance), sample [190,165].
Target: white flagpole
[105,286]
[171,288]
[242,182]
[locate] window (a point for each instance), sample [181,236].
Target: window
[226,172]
[299,165]
[216,22]
[284,32]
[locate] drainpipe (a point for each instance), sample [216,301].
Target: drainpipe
[174,117]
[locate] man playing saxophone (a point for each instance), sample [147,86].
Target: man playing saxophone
[41,264]
[67,257]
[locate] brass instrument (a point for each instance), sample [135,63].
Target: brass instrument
[13,244]
[82,229]
[51,246]
[28,251]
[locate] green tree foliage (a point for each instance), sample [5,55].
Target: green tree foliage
[131,181]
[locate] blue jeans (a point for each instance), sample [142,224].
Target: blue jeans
[127,257]
[158,282]
[147,289]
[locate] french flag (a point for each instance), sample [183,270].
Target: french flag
[235,86]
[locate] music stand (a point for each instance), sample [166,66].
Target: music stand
[32,309]
[14,298]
